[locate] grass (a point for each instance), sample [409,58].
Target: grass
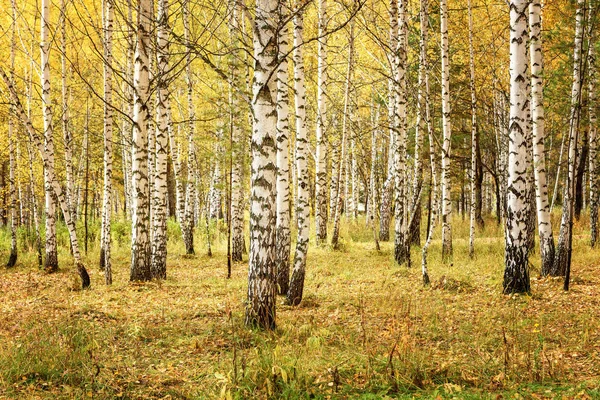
[365,329]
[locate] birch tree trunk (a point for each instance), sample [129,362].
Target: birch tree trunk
[447,129]
[105,262]
[594,164]
[283,240]
[51,263]
[68,137]
[159,238]
[12,259]
[262,290]
[562,260]
[237,208]
[321,149]
[537,116]
[302,153]
[516,272]
[140,236]
[389,184]
[401,250]
[474,138]
[187,223]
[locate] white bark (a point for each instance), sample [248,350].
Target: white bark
[447,132]
[537,115]
[594,164]
[473,136]
[159,217]
[260,308]
[516,273]
[302,153]
[283,240]
[401,252]
[562,258]
[321,148]
[140,236]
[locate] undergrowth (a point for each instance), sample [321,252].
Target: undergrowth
[366,328]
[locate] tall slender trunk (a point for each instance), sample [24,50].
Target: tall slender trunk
[105,262]
[140,236]
[68,137]
[238,135]
[187,223]
[562,259]
[594,164]
[401,251]
[447,129]
[283,240]
[302,153]
[12,259]
[474,138]
[389,184]
[516,272]
[537,116]
[158,266]
[51,264]
[321,150]
[262,290]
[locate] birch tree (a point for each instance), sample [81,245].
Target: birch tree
[447,132]
[516,272]
[296,288]
[283,240]
[473,136]
[401,251]
[321,148]
[594,164]
[140,235]
[12,258]
[159,217]
[260,308]
[537,115]
[562,260]
[105,262]
[51,262]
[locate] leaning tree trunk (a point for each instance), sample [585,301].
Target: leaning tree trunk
[562,259]
[401,251]
[68,137]
[594,164]
[158,267]
[262,290]
[283,240]
[516,272]
[321,150]
[57,189]
[105,262]
[51,264]
[446,126]
[537,116]
[302,153]
[140,235]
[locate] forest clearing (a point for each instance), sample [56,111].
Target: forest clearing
[366,328]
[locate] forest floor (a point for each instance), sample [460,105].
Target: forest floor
[365,329]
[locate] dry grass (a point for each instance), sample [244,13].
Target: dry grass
[366,328]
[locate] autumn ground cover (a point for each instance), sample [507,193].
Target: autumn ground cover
[365,329]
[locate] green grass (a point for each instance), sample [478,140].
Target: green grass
[366,328]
